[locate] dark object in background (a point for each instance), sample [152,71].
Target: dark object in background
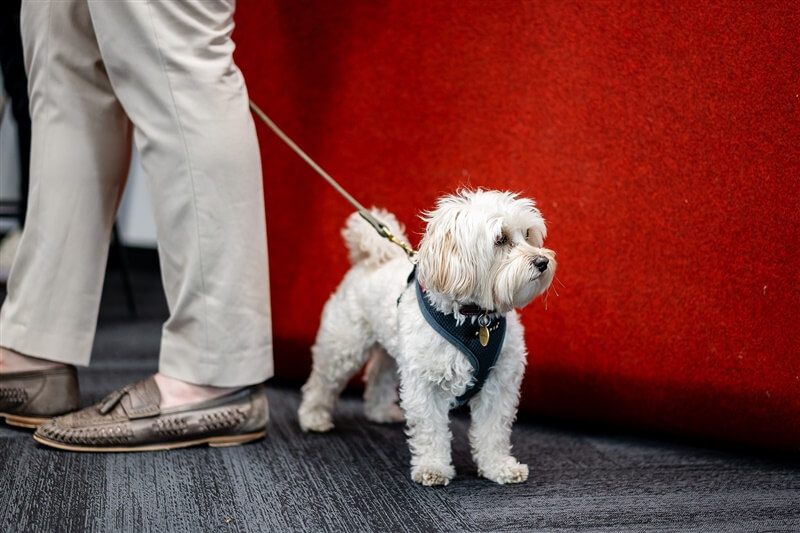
[15,84]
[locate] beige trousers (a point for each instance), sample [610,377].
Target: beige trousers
[162,72]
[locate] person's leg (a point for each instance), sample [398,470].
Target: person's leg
[172,68]
[80,153]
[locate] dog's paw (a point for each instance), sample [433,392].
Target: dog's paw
[385,414]
[508,471]
[318,421]
[432,475]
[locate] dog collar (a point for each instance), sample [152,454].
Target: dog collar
[465,337]
[464,309]
[472,309]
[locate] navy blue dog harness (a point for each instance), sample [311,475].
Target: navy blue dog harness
[465,337]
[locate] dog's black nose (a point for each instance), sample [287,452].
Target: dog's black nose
[540,262]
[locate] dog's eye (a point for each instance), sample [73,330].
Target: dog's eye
[503,239]
[527,232]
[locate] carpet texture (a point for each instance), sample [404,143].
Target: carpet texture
[356,478]
[659,138]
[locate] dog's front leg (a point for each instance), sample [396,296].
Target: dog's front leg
[426,408]
[493,412]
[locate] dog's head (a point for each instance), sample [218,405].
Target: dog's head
[485,247]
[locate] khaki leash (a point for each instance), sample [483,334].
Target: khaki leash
[380,227]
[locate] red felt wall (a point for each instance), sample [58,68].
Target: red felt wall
[662,144]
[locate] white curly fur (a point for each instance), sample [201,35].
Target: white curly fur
[478,247]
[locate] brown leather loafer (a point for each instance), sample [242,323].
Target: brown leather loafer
[29,399]
[131,420]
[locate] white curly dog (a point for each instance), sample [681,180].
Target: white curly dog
[481,248]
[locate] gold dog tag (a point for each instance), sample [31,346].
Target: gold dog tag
[483,335]
[483,332]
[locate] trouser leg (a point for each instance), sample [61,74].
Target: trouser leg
[80,155]
[172,69]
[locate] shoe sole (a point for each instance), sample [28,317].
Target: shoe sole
[214,442]
[29,422]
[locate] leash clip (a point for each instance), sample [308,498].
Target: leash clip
[384,231]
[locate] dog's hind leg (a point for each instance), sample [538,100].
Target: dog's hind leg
[380,394]
[339,353]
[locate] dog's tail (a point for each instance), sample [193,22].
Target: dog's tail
[366,246]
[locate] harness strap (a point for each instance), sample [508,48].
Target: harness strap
[465,338]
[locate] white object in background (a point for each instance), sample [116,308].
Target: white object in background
[137,226]
[8,249]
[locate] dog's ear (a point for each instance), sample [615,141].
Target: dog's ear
[442,265]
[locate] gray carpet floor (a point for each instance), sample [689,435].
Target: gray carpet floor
[356,478]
